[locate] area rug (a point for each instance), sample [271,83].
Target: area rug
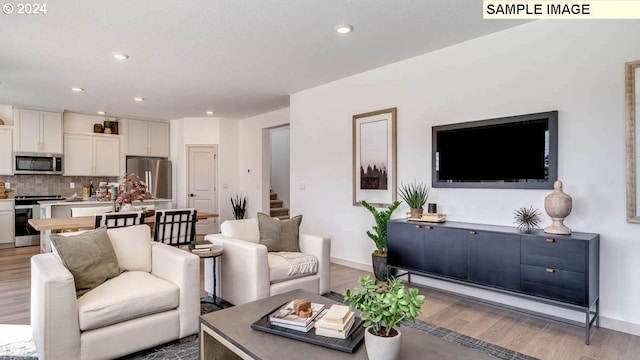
[16,344]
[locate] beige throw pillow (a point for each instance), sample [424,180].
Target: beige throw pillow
[279,235]
[89,256]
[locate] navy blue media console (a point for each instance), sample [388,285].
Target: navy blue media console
[561,270]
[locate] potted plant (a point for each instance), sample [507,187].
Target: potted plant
[415,195]
[379,237]
[383,306]
[131,189]
[239,204]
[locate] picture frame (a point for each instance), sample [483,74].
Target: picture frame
[374,157]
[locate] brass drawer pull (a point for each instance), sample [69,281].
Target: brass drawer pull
[550,270]
[418,226]
[428,227]
[473,232]
[551,240]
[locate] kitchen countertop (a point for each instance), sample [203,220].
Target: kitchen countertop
[108,202]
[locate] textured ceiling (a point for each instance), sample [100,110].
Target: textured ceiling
[235,57]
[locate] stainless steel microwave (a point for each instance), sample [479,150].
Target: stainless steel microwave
[34,163]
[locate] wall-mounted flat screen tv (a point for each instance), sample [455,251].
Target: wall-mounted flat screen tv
[515,152]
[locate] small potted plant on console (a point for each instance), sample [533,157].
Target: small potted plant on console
[415,195]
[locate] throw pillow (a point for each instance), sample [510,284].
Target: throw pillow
[279,235]
[132,245]
[89,257]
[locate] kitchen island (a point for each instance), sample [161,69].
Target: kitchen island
[62,209]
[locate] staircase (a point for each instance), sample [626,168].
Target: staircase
[277,210]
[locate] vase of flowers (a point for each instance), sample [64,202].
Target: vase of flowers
[131,189]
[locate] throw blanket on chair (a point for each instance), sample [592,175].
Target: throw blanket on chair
[299,263]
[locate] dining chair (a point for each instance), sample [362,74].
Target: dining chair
[175,227]
[119,219]
[90,211]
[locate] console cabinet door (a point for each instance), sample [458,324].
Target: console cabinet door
[494,259]
[405,245]
[446,252]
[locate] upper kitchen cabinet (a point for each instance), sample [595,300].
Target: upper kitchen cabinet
[91,155]
[37,131]
[147,138]
[6,154]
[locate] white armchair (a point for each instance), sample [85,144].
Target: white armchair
[249,272]
[154,301]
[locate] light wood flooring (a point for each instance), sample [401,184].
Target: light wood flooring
[524,333]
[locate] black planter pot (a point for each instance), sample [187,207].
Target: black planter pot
[380,269]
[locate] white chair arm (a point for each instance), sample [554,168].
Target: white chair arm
[244,269]
[182,268]
[54,309]
[320,247]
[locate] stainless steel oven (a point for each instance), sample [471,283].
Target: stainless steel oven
[32,163]
[27,207]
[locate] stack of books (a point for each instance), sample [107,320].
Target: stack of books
[201,246]
[433,217]
[336,323]
[288,317]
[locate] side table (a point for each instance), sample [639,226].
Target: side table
[214,252]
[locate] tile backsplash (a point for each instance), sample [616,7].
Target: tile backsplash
[50,184]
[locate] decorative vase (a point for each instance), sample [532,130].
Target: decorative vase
[382,348]
[558,206]
[127,207]
[416,213]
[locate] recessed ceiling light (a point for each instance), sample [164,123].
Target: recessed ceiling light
[120,56]
[138,99]
[209,112]
[77,89]
[344,28]
[101,112]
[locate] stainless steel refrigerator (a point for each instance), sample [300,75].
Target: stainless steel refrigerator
[156,172]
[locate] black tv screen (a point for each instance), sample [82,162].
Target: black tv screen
[516,152]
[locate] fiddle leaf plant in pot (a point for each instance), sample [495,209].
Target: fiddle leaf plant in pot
[383,306]
[239,204]
[379,237]
[415,195]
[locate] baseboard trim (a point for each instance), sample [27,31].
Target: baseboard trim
[352,264]
[514,302]
[620,325]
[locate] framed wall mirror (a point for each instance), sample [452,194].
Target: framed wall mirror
[632,100]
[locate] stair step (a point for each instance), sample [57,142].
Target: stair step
[273,196]
[275,212]
[276,204]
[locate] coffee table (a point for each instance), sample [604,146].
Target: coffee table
[227,334]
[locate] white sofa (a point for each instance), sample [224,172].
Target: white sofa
[155,300]
[249,272]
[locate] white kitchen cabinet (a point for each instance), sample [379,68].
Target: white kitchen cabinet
[91,155]
[6,152]
[147,138]
[6,222]
[37,131]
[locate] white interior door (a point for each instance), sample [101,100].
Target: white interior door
[202,194]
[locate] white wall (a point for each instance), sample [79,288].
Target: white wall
[280,163]
[254,158]
[575,67]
